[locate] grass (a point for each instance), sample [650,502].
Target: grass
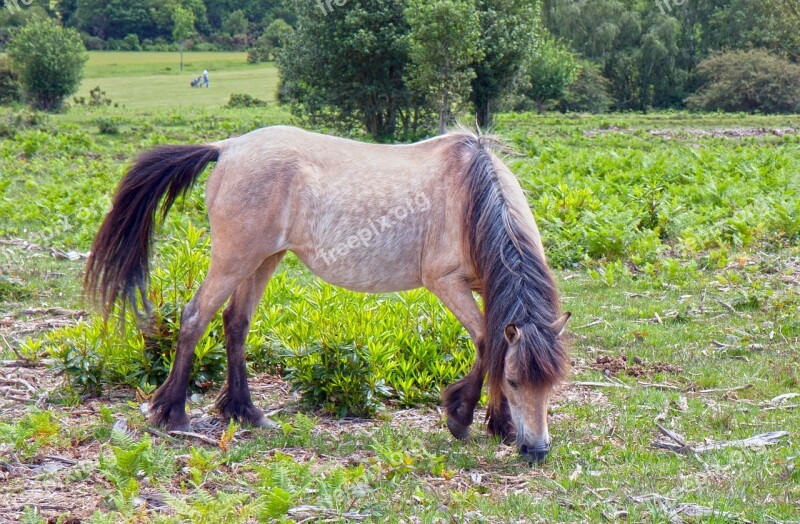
[143,81]
[671,250]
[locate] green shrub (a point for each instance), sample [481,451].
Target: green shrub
[275,36]
[107,126]
[589,92]
[339,379]
[10,90]
[131,43]
[93,354]
[245,100]
[747,81]
[50,62]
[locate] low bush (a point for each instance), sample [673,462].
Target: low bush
[10,89]
[244,100]
[747,81]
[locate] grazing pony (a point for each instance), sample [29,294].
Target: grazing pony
[444,213]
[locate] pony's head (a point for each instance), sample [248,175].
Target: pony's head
[519,396]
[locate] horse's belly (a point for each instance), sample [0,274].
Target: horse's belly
[363,270]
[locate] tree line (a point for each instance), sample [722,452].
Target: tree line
[406,68]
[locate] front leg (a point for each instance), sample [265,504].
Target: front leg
[498,420]
[461,397]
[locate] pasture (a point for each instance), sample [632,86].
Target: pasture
[674,241]
[142,81]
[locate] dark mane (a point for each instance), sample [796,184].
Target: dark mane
[518,287]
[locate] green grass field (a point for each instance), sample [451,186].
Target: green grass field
[153,80]
[675,241]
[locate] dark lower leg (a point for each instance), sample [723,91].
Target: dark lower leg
[234,400]
[498,419]
[168,406]
[461,397]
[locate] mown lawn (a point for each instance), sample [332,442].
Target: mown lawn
[145,81]
[674,239]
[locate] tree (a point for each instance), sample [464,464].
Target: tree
[114,18]
[49,60]
[183,27]
[588,92]
[347,68]
[277,34]
[442,48]
[748,81]
[508,35]
[9,84]
[549,72]
[236,24]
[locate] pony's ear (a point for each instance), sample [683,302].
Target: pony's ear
[512,334]
[560,324]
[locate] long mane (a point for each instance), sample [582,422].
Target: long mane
[518,287]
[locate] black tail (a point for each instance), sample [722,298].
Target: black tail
[118,265]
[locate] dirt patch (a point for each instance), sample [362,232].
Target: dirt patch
[638,368]
[728,133]
[731,133]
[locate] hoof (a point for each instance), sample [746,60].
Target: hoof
[459,431]
[264,422]
[179,426]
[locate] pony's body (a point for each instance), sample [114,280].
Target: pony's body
[372,218]
[341,189]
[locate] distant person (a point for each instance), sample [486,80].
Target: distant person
[205,77]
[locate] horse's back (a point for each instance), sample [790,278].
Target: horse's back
[359,215]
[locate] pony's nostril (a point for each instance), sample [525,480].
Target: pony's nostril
[534,454]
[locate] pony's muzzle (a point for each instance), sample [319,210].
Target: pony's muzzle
[534,454]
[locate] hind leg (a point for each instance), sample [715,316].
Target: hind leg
[461,397]
[234,400]
[168,407]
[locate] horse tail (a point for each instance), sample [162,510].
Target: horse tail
[118,265]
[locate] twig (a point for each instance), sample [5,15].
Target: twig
[601,385]
[56,458]
[590,324]
[765,439]
[728,307]
[659,386]
[757,441]
[787,406]
[18,399]
[671,434]
[18,382]
[22,364]
[197,436]
[726,390]
[157,433]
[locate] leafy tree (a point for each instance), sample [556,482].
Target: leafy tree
[115,18]
[183,27]
[508,35]
[548,73]
[748,81]
[163,14]
[744,24]
[589,92]
[347,68]
[236,24]
[10,91]
[49,60]
[274,38]
[443,39]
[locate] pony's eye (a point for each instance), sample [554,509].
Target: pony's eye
[513,384]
